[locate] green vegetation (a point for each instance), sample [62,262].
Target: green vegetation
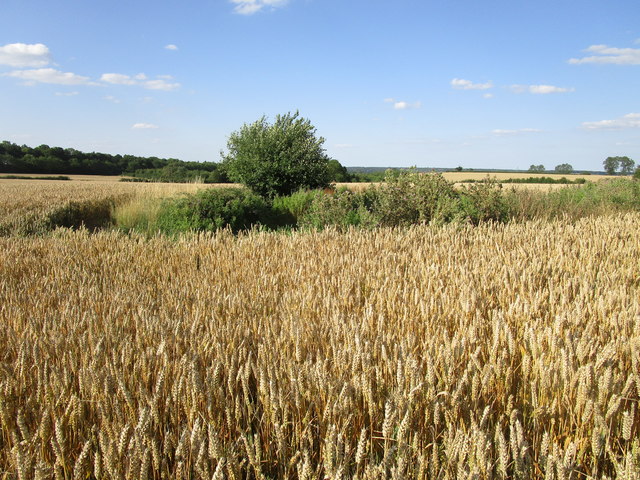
[564,168]
[27,177]
[404,199]
[533,180]
[279,158]
[44,159]
[537,168]
[622,164]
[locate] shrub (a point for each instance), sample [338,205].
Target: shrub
[295,206]
[343,209]
[408,197]
[213,209]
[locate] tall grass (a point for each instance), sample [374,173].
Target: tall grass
[497,351]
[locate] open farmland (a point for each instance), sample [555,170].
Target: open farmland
[33,206]
[499,351]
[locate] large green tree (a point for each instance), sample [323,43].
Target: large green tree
[626,166]
[613,164]
[279,158]
[564,168]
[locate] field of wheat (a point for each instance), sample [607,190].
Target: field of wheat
[33,206]
[499,351]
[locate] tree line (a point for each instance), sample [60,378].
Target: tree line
[47,160]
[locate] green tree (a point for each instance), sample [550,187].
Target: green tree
[279,158]
[564,168]
[626,165]
[611,165]
[338,172]
[537,169]
[636,174]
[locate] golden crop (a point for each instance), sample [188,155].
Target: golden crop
[26,206]
[499,351]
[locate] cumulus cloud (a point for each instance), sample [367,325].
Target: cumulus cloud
[25,55]
[144,126]
[67,94]
[630,120]
[249,7]
[160,83]
[171,46]
[402,105]
[540,89]
[501,132]
[461,84]
[609,55]
[49,75]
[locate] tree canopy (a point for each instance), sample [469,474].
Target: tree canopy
[279,158]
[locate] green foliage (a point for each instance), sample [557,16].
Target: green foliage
[337,172]
[537,168]
[408,197]
[483,202]
[636,174]
[296,205]
[599,198]
[279,158]
[564,168]
[213,209]
[533,180]
[342,209]
[611,165]
[26,177]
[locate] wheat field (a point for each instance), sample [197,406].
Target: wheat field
[499,351]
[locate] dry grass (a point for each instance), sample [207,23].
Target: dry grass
[507,351]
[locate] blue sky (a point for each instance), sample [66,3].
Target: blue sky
[493,84]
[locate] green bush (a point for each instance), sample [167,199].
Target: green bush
[213,209]
[483,202]
[409,197]
[279,158]
[294,206]
[342,209]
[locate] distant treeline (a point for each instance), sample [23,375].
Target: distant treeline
[46,160]
[543,180]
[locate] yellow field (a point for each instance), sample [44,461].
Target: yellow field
[500,351]
[25,205]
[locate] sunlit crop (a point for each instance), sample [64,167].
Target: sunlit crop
[498,351]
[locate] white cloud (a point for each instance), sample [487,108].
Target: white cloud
[630,120]
[67,94]
[140,80]
[488,95]
[609,55]
[117,79]
[500,132]
[249,7]
[24,55]
[402,105]
[171,46]
[144,126]
[49,75]
[461,84]
[112,99]
[540,89]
